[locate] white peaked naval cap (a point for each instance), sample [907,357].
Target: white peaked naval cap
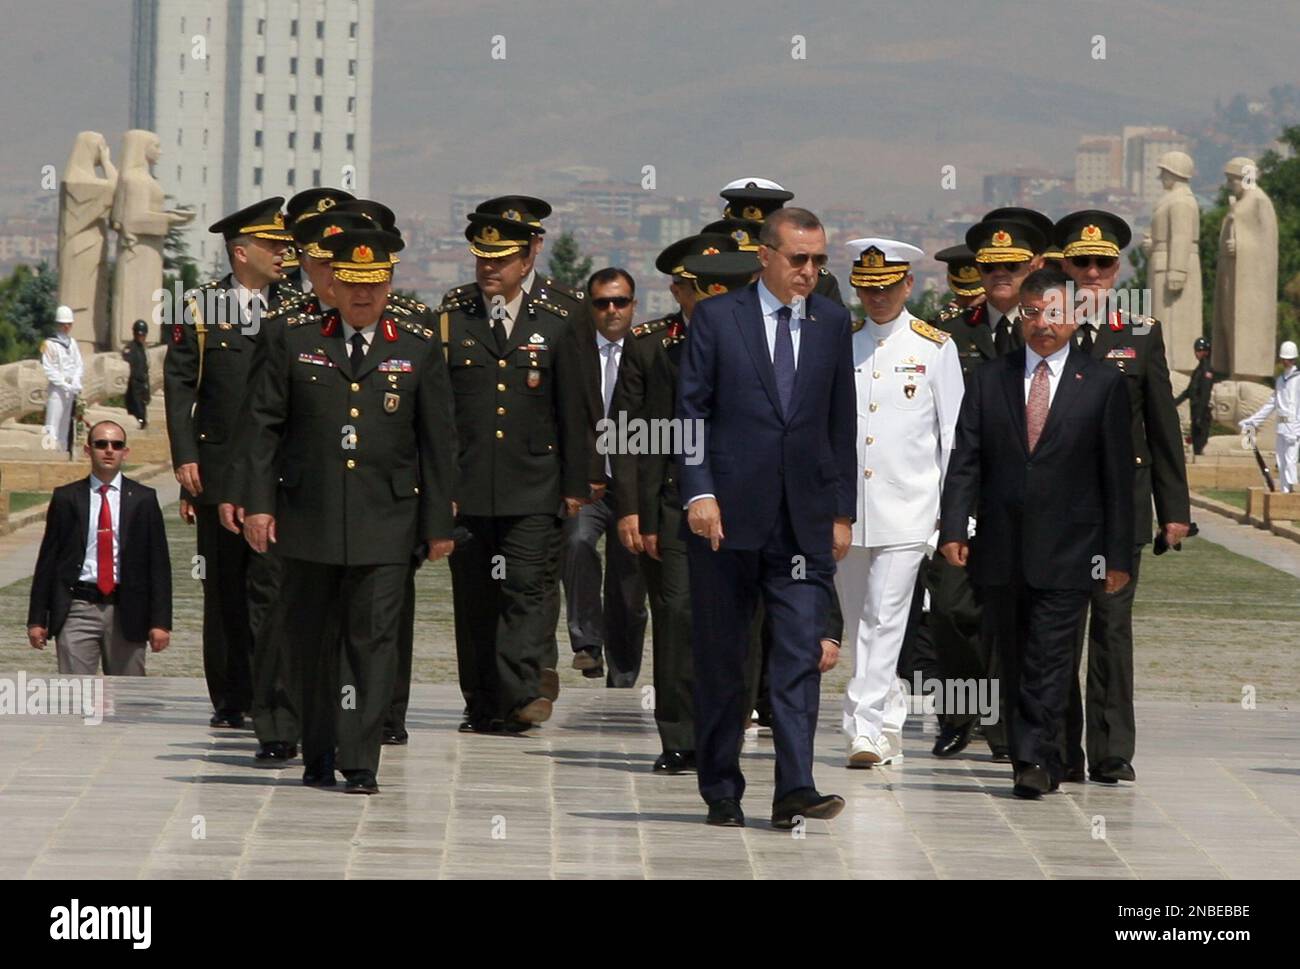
[63,315]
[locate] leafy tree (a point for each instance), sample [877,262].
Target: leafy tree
[567,263]
[28,299]
[927,305]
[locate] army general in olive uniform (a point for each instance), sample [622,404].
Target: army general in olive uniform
[524,463]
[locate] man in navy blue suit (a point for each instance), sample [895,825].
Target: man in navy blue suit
[767,380]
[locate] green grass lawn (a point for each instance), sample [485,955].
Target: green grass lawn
[1230,497]
[22,500]
[1208,623]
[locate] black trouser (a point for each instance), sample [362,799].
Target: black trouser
[1200,432]
[616,619]
[917,654]
[395,720]
[1035,631]
[343,618]
[227,633]
[1112,725]
[966,648]
[501,614]
[277,688]
[668,584]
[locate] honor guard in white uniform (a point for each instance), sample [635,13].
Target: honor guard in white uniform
[1285,402]
[61,360]
[909,389]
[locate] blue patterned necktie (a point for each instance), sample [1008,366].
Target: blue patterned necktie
[783,359]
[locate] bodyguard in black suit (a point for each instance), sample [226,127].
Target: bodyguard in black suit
[206,376]
[351,464]
[770,506]
[1044,461]
[1134,347]
[102,585]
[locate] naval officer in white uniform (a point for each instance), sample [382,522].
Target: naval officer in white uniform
[909,389]
[1285,401]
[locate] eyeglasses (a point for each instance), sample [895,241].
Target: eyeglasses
[1101,262]
[1051,315]
[987,268]
[103,445]
[605,302]
[801,259]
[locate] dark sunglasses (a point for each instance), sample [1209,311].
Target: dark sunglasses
[605,302]
[801,259]
[102,445]
[987,268]
[1101,262]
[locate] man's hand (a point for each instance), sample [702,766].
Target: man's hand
[651,545]
[187,512]
[188,476]
[630,534]
[956,553]
[842,538]
[440,548]
[259,531]
[830,655]
[704,518]
[231,516]
[597,490]
[159,639]
[1115,580]
[38,636]
[572,506]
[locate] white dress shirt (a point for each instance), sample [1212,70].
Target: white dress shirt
[511,313]
[1285,400]
[367,334]
[246,298]
[770,304]
[1055,364]
[90,564]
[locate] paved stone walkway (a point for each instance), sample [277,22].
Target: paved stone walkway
[1216,798]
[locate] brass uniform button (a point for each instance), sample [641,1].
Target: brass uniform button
[870,439]
[356,388]
[351,464]
[874,407]
[501,387]
[500,435]
[501,411]
[354,412]
[876,374]
[867,473]
[501,363]
[1139,460]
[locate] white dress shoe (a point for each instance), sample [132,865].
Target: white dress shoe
[891,749]
[864,752]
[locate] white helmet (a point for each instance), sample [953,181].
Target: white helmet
[1287,350]
[63,315]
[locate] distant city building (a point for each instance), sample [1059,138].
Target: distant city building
[252,98]
[1142,150]
[1098,164]
[1021,186]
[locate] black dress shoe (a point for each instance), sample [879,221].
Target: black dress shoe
[675,762]
[726,813]
[1112,770]
[805,803]
[1001,753]
[1073,775]
[320,772]
[395,738]
[360,782]
[235,721]
[952,740]
[550,684]
[276,751]
[1032,781]
[589,662]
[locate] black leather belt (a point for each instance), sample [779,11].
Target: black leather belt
[86,592]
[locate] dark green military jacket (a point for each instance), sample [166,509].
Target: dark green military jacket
[971,335]
[520,415]
[203,410]
[1200,391]
[1134,345]
[357,468]
[647,392]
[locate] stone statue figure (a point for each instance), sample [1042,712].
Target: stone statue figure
[85,202]
[1174,261]
[141,224]
[1245,292]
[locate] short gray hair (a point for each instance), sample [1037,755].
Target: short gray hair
[770,235]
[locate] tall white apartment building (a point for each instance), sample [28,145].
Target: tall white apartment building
[252,98]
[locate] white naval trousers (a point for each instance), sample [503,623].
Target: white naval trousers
[58,417]
[1288,453]
[875,587]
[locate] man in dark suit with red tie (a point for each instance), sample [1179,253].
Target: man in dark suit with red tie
[1044,461]
[103,584]
[767,378]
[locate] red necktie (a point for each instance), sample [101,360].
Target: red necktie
[1037,405]
[104,544]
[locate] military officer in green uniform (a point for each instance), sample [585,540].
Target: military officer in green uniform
[303,207]
[525,463]
[205,376]
[753,200]
[1200,392]
[351,467]
[1091,242]
[964,282]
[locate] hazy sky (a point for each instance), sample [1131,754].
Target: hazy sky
[706,90]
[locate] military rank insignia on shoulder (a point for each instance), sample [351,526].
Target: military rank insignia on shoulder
[950,312]
[859,324]
[423,332]
[651,326]
[924,329]
[576,295]
[463,291]
[302,319]
[549,307]
[408,304]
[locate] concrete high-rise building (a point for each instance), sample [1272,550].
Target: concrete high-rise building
[1099,164]
[1142,149]
[252,98]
